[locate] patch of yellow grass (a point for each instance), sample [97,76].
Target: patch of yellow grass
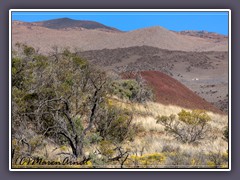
[155,137]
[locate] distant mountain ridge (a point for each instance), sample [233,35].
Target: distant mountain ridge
[65,23]
[90,35]
[205,35]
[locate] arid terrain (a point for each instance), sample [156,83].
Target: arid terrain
[205,73]
[45,35]
[169,91]
[198,59]
[205,35]
[85,95]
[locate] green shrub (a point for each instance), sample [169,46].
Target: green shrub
[189,127]
[131,90]
[28,51]
[226,134]
[106,148]
[116,125]
[80,61]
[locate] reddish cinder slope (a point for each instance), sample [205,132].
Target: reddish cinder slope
[169,91]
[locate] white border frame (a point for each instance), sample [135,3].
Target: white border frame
[121,10]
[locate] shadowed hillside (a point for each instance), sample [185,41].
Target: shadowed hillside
[63,23]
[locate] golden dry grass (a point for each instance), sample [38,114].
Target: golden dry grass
[155,138]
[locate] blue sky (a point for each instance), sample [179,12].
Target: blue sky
[127,21]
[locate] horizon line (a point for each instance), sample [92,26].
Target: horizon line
[202,30]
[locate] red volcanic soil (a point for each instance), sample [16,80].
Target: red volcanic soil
[169,91]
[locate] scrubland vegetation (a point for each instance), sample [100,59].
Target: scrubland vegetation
[68,114]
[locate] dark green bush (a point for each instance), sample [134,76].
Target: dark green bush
[132,90]
[226,134]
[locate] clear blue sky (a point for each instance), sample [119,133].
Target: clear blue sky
[127,21]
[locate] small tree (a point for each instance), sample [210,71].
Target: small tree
[189,127]
[62,97]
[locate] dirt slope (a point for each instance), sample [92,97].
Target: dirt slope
[169,91]
[205,73]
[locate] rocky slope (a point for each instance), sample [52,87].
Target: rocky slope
[205,73]
[169,91]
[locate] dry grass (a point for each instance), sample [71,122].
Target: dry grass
[155,138]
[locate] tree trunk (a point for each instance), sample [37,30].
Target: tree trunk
[78,148]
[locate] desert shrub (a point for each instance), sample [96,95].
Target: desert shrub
[98,161]
[226,134]
[217,160]
[177,159]
[93,138]
[116,125]
[169,149]
[17,72]
[189,127]
[35,142]
[106,148]
[114,128]
[131,89]
[146,161]
[26,146]
[198,161]
[80,61]
[28,50]
[126,89]
[185,159]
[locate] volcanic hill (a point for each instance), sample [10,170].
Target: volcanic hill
[169,91]
[90,35]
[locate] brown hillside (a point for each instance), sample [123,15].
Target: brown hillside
[205,35]
[64,23]
[205,73]
[169,91]
[93,36]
